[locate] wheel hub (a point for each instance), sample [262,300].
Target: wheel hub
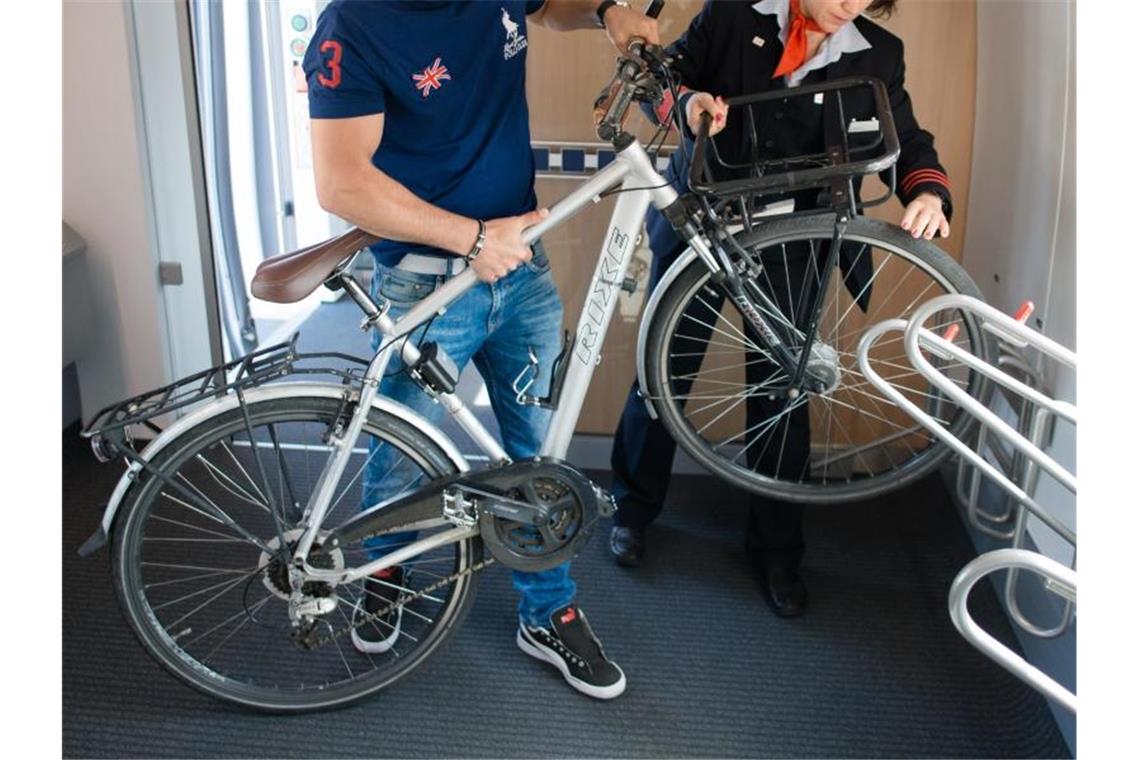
[823,373]
[275,567]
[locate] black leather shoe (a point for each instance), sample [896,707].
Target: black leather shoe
[627,545]
[784,591]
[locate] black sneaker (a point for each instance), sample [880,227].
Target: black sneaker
[569,645]
[380,590]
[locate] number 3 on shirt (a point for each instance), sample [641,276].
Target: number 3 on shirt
[333,64]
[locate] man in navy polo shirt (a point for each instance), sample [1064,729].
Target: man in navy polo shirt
[420,135]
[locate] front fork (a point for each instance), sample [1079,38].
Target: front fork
[745,295]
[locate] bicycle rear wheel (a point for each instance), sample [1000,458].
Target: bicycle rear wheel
[712,382]
[209,600]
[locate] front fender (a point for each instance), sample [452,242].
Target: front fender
[672,273]
[264,393]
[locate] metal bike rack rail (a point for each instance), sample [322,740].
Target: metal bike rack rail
[969,478]
[1017,475]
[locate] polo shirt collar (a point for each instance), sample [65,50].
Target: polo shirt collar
[847,40]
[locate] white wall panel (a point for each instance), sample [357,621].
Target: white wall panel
[1023,70]
[104,201]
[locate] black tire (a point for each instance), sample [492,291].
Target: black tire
[690,292]
[269,647]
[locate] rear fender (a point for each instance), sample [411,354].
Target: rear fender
[264,393]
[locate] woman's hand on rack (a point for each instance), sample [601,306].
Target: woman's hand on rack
[504,250]
[715,107]
[924,217]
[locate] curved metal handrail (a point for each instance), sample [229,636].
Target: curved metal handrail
[969,493]
[1004,326]
[1065,583]
[918,339]
[947,349]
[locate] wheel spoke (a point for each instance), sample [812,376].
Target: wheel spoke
[248,615]
[227,483]
[347,621]
[746,343]
[200,529]
[199,592]
[230,585]
[249,479]
[697,374]
[225,518]
[359,472]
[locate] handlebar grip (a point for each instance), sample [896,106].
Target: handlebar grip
[653,10]
[697,168]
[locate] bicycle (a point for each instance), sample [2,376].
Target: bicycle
[238,547]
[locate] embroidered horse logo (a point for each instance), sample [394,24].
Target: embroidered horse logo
[516,42]
[511,27]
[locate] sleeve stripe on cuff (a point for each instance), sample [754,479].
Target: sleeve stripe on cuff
[923,175]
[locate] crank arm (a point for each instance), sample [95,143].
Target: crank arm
[509,509]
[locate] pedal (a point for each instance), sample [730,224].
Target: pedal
[459,510]
[607,504]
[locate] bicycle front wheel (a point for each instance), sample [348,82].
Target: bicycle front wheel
[208,597]
[721,395]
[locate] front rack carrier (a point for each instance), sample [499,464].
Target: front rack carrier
[752,178]
[256,368]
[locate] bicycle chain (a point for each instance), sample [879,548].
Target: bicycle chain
[320,642]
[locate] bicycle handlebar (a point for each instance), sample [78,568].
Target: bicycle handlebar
[616,102]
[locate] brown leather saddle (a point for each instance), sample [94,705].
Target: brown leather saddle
[292,276]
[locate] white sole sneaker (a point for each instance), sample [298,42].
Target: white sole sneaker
[539,652]
[376,647]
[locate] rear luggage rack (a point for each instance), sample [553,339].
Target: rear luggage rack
[256,368]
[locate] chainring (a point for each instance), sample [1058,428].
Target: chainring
[533,548]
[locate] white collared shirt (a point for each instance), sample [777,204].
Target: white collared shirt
[847,40]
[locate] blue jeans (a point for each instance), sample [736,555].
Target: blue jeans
[493,325]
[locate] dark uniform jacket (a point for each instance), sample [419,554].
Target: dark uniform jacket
[717,55]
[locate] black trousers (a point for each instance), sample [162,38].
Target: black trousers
[642,456]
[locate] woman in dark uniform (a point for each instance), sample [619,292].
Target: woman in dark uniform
[737,48]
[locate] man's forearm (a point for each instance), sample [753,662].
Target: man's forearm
[382,206]
[566,15]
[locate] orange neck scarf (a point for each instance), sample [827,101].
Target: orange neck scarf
[795,48]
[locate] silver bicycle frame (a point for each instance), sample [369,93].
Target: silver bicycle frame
[641,185]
